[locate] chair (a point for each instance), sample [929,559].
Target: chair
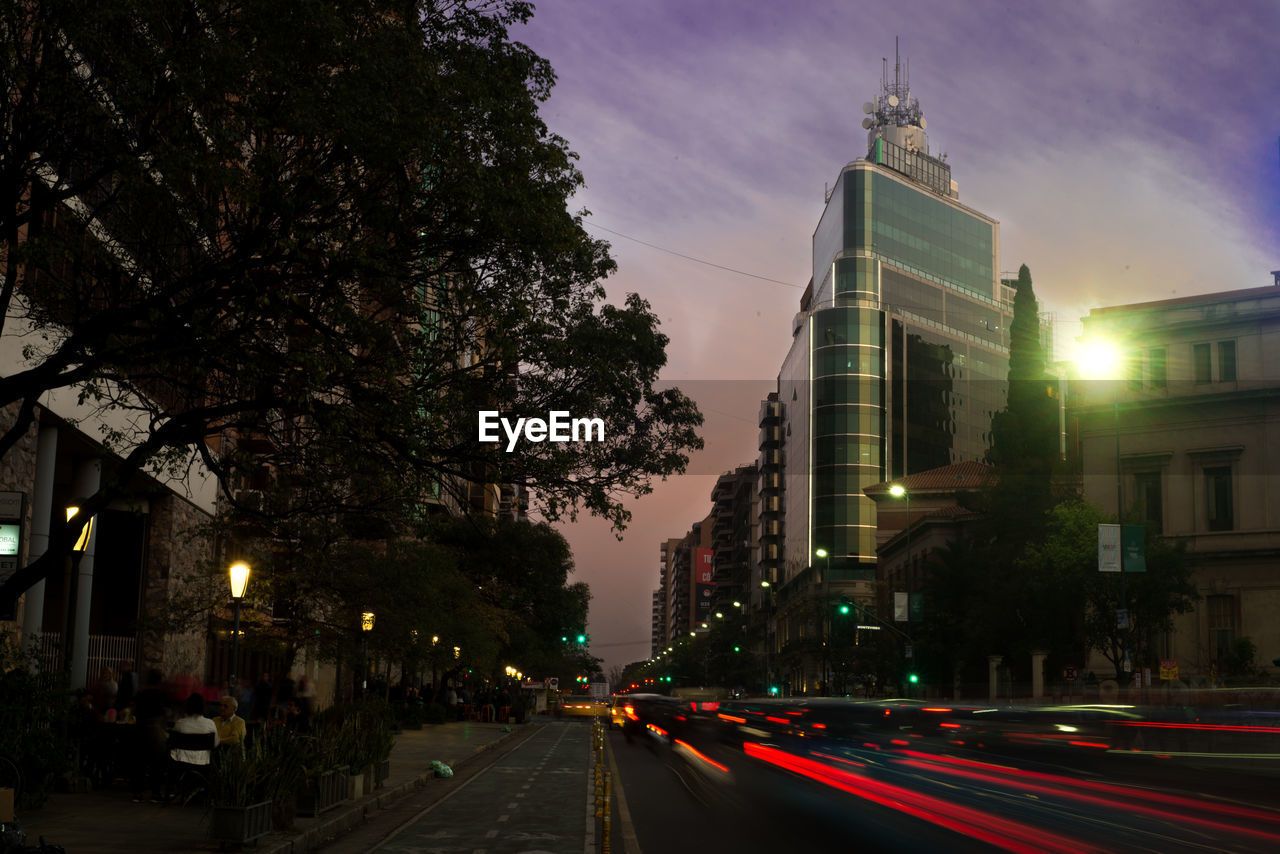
[184,778]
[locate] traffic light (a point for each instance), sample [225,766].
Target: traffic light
[737,648]
[844,607]
[582,638]
[913,678]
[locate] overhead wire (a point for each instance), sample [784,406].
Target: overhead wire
[689,257]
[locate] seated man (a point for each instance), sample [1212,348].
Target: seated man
[230,726]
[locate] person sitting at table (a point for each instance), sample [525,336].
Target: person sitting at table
[193,722]
[230,726]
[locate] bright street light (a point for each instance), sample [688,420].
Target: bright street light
[239,576]
[1098,359]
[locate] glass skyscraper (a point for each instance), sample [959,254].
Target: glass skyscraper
[898,361]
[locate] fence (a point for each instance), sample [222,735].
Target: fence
[104,651]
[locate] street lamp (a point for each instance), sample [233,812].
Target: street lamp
[69,634]
[900,491]
[366,626]
[1100,359]
[826,618]
[239,576]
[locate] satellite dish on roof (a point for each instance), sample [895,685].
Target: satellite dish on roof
[867,123]
[923,123]
[893,100]
[867,107]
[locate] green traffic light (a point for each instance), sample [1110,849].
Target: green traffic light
[737,649]
[582,638]
[913,678]
[844,609]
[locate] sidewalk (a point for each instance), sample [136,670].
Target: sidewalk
[108,822]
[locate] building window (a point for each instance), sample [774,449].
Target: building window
[1149,497]
[1157,371]
[1133,371]
[1201,359]
[1217,485]
[1227,361]
[1222,626]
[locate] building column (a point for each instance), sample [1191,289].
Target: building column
[88,474]
[41,510]
[993,674]
[1037,673]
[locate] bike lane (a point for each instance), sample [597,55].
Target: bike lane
[537,797]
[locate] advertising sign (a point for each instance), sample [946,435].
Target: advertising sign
[1122,542]
[10,548]
[1108,548]
[901,606]
[704,574]
[1168,668]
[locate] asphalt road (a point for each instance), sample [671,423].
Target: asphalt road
[711,793]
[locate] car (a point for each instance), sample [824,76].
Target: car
[582,707]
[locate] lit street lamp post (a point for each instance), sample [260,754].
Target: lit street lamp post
[366,626]
[826,618]
[239,574]
[1099,359]
[900,491]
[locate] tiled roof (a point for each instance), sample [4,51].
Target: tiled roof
[953,478]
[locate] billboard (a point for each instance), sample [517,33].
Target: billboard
[704,574]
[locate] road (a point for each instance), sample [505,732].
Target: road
[705,790]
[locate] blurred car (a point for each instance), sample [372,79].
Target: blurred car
[582,707]
[618,712]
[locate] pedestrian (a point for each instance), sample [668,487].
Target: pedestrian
[126,685]
[306,695]
[262,698]
[149,737]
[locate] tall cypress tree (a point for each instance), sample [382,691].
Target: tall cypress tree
[1024,436]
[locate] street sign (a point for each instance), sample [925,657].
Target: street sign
[1070,673]
[1122,618]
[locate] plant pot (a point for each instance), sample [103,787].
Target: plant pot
[283,812]
[359,783]
[240,824]
[322,792]
[381,771]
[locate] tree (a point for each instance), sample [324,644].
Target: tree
[303,247]
[1075,604]
[1024,435]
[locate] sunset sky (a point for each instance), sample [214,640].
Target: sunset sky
[1129,150]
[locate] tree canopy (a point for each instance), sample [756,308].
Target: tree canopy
[329,232]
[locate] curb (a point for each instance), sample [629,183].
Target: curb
[343,819]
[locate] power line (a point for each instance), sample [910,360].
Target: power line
[690,257]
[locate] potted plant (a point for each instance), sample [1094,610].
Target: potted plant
[381,740]
[239,801]
[285,754]
[351,749]
[324,780]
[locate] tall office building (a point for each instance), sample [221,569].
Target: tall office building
[899,359]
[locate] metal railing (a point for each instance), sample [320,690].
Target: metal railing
[104,651]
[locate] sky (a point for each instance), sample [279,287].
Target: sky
[1129,150]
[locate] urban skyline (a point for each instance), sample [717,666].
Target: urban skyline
[713,134]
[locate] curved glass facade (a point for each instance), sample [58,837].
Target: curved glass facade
[847,425]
